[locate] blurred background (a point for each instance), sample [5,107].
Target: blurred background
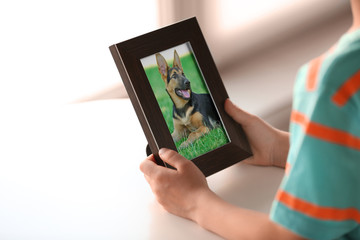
[56,52]
[70,143]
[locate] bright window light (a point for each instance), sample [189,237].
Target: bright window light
[55,52]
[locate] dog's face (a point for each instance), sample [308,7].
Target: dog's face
[177,85]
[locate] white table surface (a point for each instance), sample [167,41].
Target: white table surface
[72,172]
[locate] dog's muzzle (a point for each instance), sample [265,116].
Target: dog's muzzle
[185,90]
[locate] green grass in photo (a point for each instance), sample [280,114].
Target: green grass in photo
[214,139]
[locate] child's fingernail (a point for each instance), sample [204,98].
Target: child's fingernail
[162,151]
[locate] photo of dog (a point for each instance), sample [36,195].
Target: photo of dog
[185,102]
[194,115]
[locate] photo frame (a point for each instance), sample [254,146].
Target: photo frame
[178,96]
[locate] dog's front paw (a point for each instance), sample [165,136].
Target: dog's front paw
[184,144]
[176,136]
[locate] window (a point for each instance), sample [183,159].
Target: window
[54,52]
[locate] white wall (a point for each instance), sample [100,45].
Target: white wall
[54,52]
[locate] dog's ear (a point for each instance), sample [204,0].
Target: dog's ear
[163,66]
[177,62]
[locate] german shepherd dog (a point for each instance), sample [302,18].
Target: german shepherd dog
[194,115]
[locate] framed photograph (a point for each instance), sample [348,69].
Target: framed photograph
[178,96]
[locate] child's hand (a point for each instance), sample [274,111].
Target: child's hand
[269,145]
[178,191]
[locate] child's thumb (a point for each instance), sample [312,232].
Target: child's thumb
[239,115]
[171,157]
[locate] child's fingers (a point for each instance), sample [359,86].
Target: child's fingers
[148,166]
[173,158]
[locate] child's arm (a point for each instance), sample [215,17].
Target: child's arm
[232,222]
[184,192]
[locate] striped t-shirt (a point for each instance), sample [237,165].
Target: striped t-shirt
[319,197]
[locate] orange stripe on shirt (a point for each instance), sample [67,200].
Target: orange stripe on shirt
[347,90]
[325,133]
[317,211]
[313,72]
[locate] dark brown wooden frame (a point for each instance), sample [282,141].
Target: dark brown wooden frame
[127,57]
